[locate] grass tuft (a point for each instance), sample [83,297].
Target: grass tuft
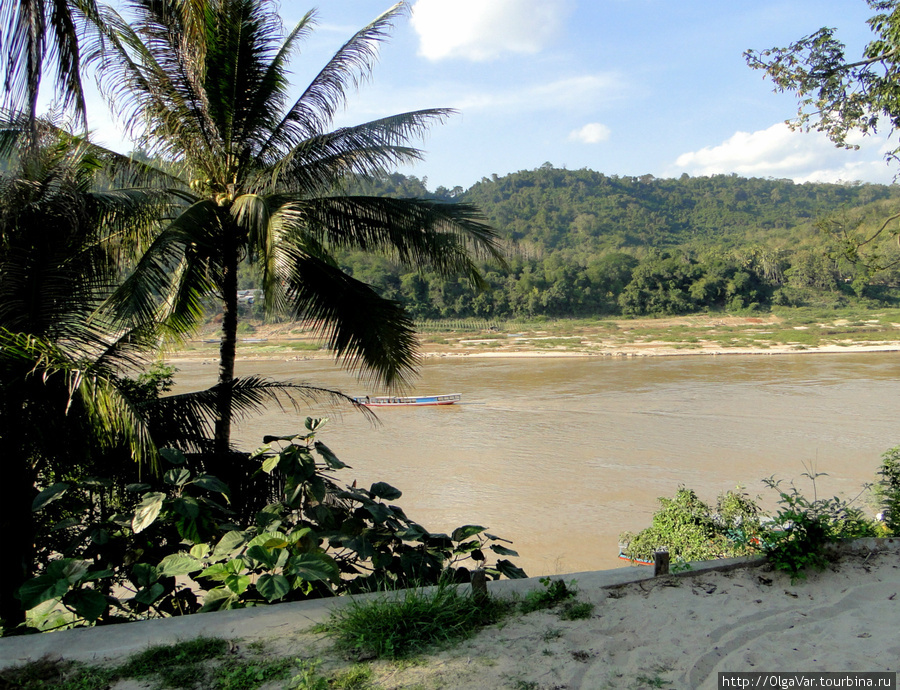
[394,628]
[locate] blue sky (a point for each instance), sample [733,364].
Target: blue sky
[624,87]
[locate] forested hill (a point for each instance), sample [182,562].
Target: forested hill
[551,209]
[583,243]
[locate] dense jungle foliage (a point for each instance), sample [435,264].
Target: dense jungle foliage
[583,243]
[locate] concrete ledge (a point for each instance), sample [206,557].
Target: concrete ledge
[119,641]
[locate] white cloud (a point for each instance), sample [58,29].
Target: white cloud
[591,133]
[482,30]
[783,153]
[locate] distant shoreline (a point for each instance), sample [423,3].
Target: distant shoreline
[691,335]
[653,350]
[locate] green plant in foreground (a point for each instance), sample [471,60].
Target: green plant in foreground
[187,665]
[576,610]
[60,675]
[411,621]
[319,538]
[553,593]
[804,527]
[692,531]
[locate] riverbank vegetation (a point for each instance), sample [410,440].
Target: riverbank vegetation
[794,537]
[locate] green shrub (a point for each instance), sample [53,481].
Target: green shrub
[691,531]
[802,528]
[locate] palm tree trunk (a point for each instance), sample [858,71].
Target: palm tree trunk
[229,342]
[16,523]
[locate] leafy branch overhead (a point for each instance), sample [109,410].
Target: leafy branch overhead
[838,95]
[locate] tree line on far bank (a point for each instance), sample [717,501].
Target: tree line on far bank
[581,243]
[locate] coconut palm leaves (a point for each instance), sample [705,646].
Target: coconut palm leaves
[35,32]
[266,176]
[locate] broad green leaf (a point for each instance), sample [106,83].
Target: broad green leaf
[179,564]
[262,450]
[147,511]
[361,545]
[88,603]
[313,424]
[217,571]
[98,536]
[211,483]
[65,524]
[199,550]
[173,456]
[271,439]
[385,491]
[218,599]
[413,532]
[266,537]
[150,594]
[229,544]
[97,575]
[379,512]
[42,588]
[262,555]
[317,488]
[272,587]
[511,571]
[270,463]
[177,477]
[466,531]
[468,546]
[503,551]
[137,488]
[144,574]
[330,458]
[72,569]
[313,567]
[48,495]
[237,583]
[299,534]
[276,543]
[187,506]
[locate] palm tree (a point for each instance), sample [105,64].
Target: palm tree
[267,177]
[35,32]
[60,359]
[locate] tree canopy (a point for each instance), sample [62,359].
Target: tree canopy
[264,179]
[838,94]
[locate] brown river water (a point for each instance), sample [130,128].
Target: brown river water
[561,455]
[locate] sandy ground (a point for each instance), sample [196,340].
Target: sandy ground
[620,338]
[674,632]
[680,632]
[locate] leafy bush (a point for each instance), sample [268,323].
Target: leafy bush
[162,545]
[887,489]
[692,531]
[802,528]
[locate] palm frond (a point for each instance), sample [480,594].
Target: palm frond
[187,420]
[91,392]
[368,334]
[323,162]
[38,31]
[417,232]
[314,111]
[177,270]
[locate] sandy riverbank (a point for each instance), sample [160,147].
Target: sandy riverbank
[677,336]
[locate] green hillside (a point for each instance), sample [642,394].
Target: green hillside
[583,243]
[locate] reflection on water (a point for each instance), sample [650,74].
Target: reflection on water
[561,455]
